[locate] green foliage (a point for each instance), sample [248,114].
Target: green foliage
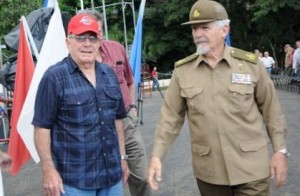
[262,24]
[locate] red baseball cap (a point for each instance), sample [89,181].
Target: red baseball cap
[82,23]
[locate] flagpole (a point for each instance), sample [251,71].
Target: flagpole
[81,3]
[31,40]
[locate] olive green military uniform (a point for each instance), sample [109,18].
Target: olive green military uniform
[229,110]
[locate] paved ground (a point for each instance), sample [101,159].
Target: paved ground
[178,178]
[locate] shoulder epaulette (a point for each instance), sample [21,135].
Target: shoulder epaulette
[244,55]
[186,59]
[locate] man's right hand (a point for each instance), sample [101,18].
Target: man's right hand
[154,173]
[52,182]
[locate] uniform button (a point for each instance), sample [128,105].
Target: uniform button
[103,138]
[104,154]
[99,109]
[102,123]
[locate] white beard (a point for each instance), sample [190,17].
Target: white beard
[201,50]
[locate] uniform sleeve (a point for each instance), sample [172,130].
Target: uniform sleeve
[269,106]
[171,118]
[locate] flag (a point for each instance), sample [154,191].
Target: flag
[49,3]
[24,71]
[136,51]
[53,50]
[228,40]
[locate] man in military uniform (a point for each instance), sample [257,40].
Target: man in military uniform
[230,101]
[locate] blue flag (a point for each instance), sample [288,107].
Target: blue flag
[228,40]
[136,51]
[48,3]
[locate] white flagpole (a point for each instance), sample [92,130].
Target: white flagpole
[1,184]
[81,3]
[31,40]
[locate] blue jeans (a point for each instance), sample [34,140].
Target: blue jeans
[269,70]
[115,190]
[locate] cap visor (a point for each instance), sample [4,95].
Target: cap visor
[196,22]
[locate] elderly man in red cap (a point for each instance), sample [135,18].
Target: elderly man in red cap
[78,123]
[230,103]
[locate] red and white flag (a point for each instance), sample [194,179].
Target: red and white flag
[24,72]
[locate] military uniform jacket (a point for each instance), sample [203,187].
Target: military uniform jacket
[229,110]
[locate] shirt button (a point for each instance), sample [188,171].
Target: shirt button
[99,109]
[102,123]
[103,138]
[104,154]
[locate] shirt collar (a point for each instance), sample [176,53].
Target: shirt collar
[226,57]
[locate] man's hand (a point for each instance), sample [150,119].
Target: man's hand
[5,162]
[125,171]
[279,168]
[52,182]
[154,173]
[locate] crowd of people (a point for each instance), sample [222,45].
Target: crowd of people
[89,142]
[291,64]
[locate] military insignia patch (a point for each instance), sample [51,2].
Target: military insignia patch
[247,56]
[196,13]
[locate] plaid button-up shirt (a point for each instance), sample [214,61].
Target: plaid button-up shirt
[84,141]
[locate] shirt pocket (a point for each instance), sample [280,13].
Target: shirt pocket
[195,100]
[202,159]
[112,98]
[119,70]
[241,98]
[77,109]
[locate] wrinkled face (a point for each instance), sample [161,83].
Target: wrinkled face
[83,48]
[208,36]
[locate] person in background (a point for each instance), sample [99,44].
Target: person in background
[268,62]
[5,161]
[78,120]
[230,102]
[287,56]
[296,59]
[113,54]
[154,76]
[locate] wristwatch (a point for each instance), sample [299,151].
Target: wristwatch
[131,106]
[124,156]
[285,152]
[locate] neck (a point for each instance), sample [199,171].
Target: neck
[214,56]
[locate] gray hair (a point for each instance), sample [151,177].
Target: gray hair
[222,23]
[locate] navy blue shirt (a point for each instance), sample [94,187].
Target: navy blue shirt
[81,117]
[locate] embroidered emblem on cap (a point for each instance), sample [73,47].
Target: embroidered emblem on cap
[86,20]
[196,13]
[250,56]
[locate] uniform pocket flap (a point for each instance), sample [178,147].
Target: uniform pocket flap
[192,92]
[253,145]
[241,88]
[200,149]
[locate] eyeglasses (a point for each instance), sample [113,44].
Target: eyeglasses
[82,38]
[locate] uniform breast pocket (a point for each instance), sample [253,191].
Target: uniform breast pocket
[195,100]
[241,98]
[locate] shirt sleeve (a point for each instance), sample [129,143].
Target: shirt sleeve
[45,103]
[269,106]
[171,118]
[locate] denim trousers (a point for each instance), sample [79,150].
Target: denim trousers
[115,190]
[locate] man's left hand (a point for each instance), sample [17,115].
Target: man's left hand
[125,171]
[279,168]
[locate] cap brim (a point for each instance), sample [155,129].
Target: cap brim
[196,22]
[84,31]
